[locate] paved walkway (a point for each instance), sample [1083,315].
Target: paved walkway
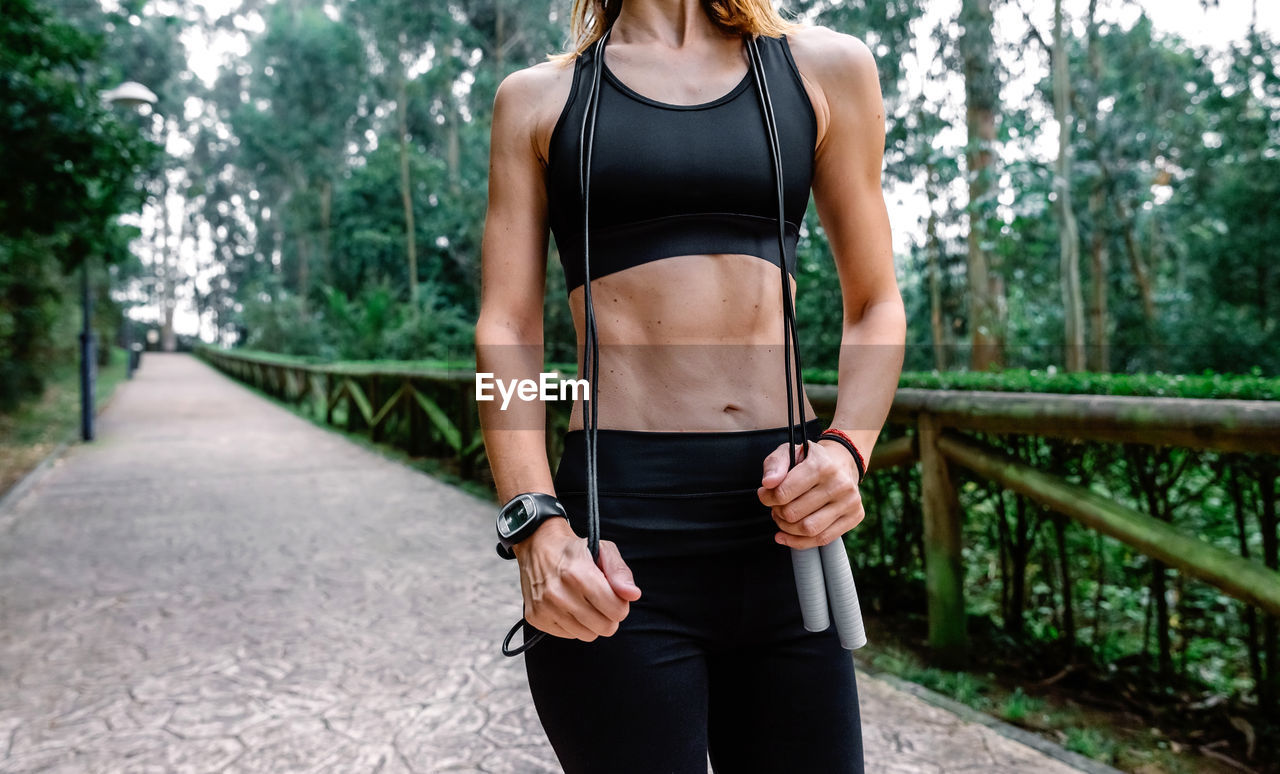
[216,585]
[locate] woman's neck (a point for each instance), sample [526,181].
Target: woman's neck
[671,24]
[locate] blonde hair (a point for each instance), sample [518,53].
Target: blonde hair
[589,19]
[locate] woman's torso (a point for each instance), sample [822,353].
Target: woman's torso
[686,278]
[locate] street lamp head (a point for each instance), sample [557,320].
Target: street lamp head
[130,93]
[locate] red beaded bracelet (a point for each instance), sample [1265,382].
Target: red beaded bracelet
[847,442]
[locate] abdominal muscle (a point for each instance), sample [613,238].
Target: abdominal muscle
[689,343]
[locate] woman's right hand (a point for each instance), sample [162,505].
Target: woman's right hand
[565,593]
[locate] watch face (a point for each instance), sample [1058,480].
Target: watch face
[514,516]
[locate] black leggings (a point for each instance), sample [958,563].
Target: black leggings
[713,657]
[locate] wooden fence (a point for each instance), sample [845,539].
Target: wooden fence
[433,412]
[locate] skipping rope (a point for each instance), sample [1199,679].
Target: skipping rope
[824,580]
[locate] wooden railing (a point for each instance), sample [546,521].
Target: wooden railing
[940,446]
[423,412]
[434,412]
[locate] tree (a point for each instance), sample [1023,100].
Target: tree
[1069,238]
[70,165]
[297,121]
[982,101]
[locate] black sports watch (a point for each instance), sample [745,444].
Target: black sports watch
[521,516]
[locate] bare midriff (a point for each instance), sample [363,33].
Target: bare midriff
[689,343]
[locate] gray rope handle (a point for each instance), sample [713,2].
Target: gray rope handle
[822,576]
[843,595]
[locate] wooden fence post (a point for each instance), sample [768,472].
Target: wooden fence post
[417,422]
[944,572]
[376,396]
[329,402]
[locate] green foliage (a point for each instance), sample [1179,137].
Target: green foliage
[1091,743]
[283,324]
[70,164]
[31,302]
[372,326]
[437,331]
[1174,183]
[1161,110]
[369,229]
[68,160]
[293,120]
[1251,386]
[1018,706]
[960,685]
[1021,581]
[359,327]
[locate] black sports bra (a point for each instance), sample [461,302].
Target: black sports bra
[670,180]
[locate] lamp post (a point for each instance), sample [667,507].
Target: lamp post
[132,94]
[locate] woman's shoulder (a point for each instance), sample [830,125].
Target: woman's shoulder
[827,54]
[839,73]
[537,93]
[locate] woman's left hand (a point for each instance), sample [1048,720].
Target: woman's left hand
[818,500]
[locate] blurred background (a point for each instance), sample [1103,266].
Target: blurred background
[1084,195]
[319,187]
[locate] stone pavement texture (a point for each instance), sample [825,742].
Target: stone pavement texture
[217,585]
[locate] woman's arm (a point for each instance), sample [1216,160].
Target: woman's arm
[513,261]
[565,593]
[849,198]
[818,501]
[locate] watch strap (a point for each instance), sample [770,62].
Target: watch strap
[546,506]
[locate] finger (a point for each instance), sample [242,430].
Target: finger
[546,620]
[561,600]
[558,629]
[830,526]
[811,525]
[801,507]
[617,572]
[577,629]
[841,526]
[800,479]
[775,467]
[590,598]
[602,609]
[578,617]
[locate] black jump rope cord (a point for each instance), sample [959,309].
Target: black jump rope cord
[590,410]
[592,354]
[789,333]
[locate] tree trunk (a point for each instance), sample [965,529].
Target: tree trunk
[933,250]
[499,41]
[175,269]
[1139,270]
[1099,356]
[1100,581]
[454,156]
[1068,236]
[326,218]
[302,240]
[981,96]
[303,249]
[406,191]
[160,265]
[168,264]
[1068,588]
[1164,656]
[1268,520]
[1232,476]
[1147,487]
